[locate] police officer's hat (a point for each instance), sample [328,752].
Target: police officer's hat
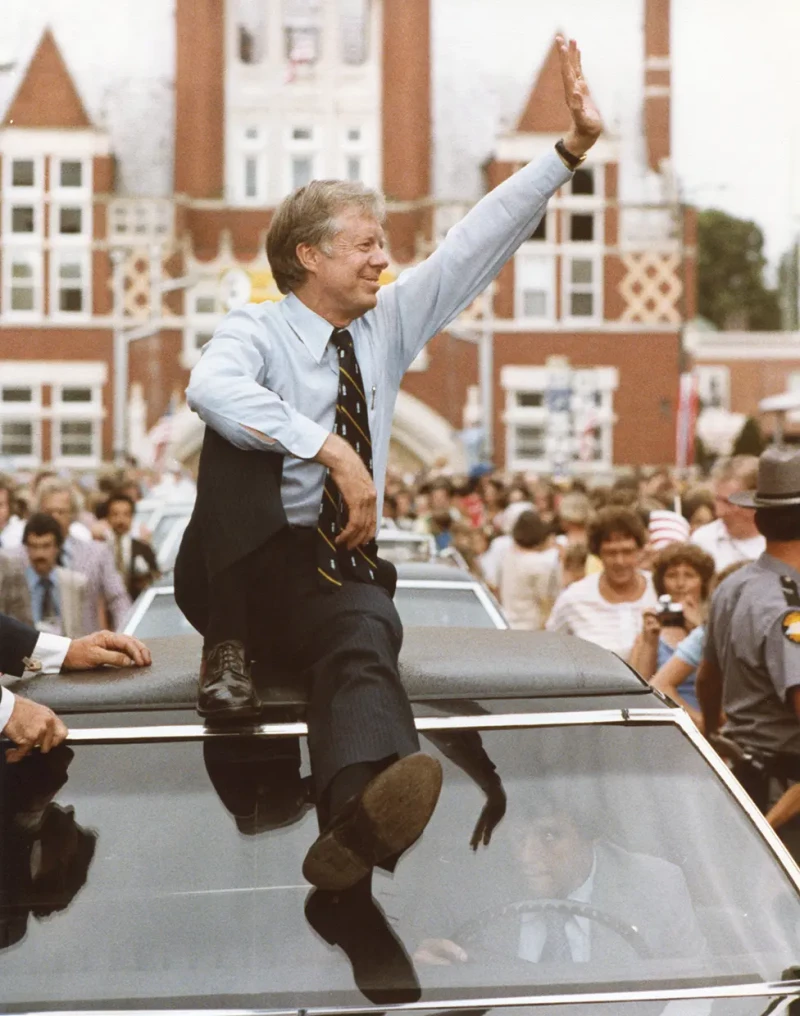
[778,480]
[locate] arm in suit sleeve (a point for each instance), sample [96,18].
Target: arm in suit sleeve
[113,588]
[19,642]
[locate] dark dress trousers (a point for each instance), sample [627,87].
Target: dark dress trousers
[343,645]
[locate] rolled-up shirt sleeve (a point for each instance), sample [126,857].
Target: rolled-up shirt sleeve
[426,298]
[227,392]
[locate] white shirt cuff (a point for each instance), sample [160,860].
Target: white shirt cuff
[6,708]
[50,651]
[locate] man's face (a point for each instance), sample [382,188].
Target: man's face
[59,505]
[620,556]
[440,500]
[5,509]
[556,858]
[734,517]
[348,274]
[120,517]
[42,552]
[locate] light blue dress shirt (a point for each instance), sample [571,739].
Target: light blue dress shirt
[270,366]
[36,589]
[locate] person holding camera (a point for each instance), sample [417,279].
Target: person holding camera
[682,575]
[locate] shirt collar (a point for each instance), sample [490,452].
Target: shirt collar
[34,578]
[312,330]
[774,565]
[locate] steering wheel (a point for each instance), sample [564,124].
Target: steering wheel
[469,933]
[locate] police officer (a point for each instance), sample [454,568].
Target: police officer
[751,668]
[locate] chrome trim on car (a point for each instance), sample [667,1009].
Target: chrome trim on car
[141,604]
[765,989]
[503,721]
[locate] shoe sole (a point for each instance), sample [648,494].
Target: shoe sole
[390,816]
[231,715]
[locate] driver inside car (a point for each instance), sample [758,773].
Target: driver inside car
[581,899]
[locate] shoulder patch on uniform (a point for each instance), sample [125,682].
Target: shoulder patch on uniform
[791,626]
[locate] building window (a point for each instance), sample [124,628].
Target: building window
[583,181]
[71,174]
[534,276]
[76,439]
[302,25]
[303,145]
[714,387]
[16,395]
[70,221]
[250,180]
[22,282]
[205,308]
[582,280]
[251,32]
[140,217]
[559,419]
[581,227]
[17,439]
[540,233]
[71,285]
[251,176]
[76,394]
[353,168]
[302,171]
[23,173]
[354,31]
[354,165]
[23,219]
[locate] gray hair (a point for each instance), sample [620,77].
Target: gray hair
[56,486]
[309,215]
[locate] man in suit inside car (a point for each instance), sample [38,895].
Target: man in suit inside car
[134,559]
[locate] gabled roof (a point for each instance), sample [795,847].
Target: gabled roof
[47,96]
[546,111]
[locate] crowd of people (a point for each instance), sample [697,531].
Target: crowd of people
[630,565]
[72,558]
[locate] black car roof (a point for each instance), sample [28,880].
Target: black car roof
[437,664]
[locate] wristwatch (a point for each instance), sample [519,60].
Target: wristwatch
[570,161]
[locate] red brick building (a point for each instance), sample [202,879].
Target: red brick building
[585,320]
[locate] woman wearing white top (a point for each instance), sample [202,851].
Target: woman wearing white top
[529,574]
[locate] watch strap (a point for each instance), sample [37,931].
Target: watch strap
[570,161]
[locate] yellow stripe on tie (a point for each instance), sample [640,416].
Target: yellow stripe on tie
[355,424]
[325,575]
[325,538]
[330,498]
[353,383]
[361,552]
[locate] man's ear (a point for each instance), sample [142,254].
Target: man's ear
[308,256]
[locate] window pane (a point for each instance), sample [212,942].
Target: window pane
[530,442]
[22,219]
[583,181]
[70,270]
[251,30]
[302,45]
[540,233]
[22,299]
[534,303]
[581,272]
[21,270]
[70,300]
[354,134]
[302,134]
[301,172]
[530,399]
[76,394]
[201,338]
[17,395]
[250,177]
[76,437]
[70,220]
[71,174]
[205,305]
[354,168]
[354,28]
[22,173]
[581,304]
[251,133]
[581,227]
[16,438]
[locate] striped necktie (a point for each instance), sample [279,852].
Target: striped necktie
[334,564]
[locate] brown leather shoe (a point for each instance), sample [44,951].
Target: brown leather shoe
[381,822]
[226,691]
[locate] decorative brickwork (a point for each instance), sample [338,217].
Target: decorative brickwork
[652,288]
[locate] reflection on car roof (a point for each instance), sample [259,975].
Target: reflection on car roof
[436,664]
[433,571]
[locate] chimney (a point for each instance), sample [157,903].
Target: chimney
[657,82]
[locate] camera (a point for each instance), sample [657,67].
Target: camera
[670,614]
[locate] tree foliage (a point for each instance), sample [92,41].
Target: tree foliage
[750,440]
[731,289]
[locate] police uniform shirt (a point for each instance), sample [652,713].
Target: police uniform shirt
[754,639]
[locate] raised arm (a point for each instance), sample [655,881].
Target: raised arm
[426,298]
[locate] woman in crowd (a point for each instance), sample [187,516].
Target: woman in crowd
[698,507]
[683,572]
[529,576]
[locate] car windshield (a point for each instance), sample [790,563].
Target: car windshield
[168,876]
[441,608]
[164,526]
[399,549]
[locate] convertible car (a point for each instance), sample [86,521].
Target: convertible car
[590,853]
